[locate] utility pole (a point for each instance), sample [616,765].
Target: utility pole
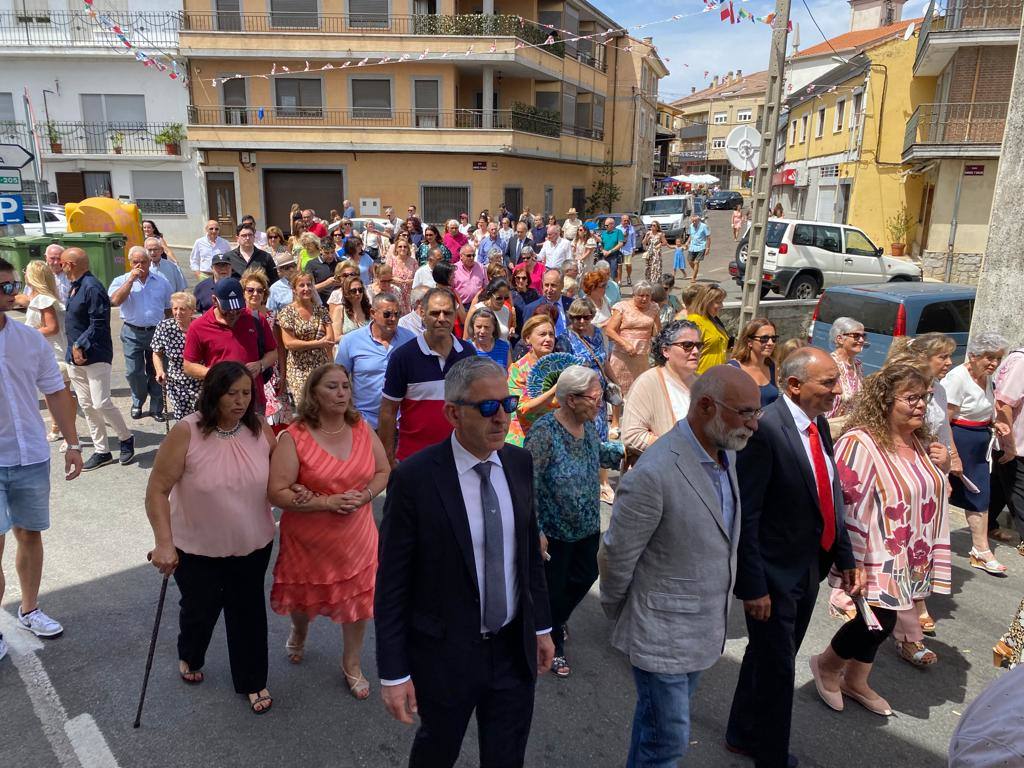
[1000,288]
[766,165]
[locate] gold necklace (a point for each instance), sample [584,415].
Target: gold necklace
[335,432]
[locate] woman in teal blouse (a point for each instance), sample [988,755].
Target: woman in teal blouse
[567,454]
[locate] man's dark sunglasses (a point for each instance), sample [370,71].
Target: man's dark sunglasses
[488,408]
[10,287]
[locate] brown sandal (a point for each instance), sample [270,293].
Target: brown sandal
[916,653]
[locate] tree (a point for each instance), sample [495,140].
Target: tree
[606,192]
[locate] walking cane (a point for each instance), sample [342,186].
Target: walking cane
[152,649]
[163,395]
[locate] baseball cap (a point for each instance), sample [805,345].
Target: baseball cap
[220,258]
[229,294]
[285,259]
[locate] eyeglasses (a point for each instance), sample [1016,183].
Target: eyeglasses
[746,413]
[488,408]
[10,287]
[574,318]
[765,339]
[387,314]
[856,336]
[915,400]
[252,291]
[687,346]
[355,290]
[213,229]
[592,398]
[273,237]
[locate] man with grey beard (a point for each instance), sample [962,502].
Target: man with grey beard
[668,561]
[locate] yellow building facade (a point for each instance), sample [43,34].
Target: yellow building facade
[296,106]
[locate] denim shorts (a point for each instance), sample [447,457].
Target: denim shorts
[25,497]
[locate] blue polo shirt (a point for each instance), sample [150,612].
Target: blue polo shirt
[146,301]
[698,237]
[87,321]
[366,359]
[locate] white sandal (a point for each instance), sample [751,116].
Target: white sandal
[983,560]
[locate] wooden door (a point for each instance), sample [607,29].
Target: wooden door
[220,197]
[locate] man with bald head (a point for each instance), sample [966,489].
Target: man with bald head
[90,352]
[144,298]
[206,248]
[668,562]
[793,533]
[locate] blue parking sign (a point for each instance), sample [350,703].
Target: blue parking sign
[12,209]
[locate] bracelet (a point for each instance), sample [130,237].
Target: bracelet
[369,493]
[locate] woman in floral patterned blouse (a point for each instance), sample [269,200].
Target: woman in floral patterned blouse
[894,483]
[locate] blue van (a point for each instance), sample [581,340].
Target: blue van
[895,309]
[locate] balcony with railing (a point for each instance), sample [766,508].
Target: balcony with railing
[693,131]
[76,31]
[963,23]
[971,129]
[108,139]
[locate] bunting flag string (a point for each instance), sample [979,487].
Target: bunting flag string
[146,59]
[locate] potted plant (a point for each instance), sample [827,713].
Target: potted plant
[171,137]
[117,142]
[54,137]
[899,227]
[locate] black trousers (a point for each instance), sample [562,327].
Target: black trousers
[1008,489]
[762,707]
[855,641]
[570,573]
[209,585]
[490,681]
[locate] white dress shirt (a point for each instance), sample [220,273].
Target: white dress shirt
[27,367]
[802,423]
[555,255]
[201,258]
[424,276]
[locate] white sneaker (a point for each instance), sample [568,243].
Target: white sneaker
[3,647]
[39,624]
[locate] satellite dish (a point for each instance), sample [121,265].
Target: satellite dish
[910,31]
[743,148]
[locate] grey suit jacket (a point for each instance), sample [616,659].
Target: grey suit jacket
[667,562]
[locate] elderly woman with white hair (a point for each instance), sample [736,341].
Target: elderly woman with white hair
[567,454]
[970,403]
[848,340]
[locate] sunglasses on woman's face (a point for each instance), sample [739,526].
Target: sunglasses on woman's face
[765,339]
[687,346]
[488,408]
[355,290]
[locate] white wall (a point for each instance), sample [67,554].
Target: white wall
[800,72]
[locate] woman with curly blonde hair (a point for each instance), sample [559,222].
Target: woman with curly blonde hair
[895,494]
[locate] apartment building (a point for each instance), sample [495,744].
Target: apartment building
[708,116]
[965,59]
[283,111]
[99,111]
[667,146]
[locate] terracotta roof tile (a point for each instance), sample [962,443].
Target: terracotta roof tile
[855,41]
[754,83]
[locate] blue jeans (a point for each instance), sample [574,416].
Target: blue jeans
[139,370]
[25,497]
[661,723]
[613,263]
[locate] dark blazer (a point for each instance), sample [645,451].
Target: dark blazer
[514,248]
[259,258]
[781,532]
[87,321]
[427,601]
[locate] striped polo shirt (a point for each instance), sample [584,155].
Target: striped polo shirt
[415,379]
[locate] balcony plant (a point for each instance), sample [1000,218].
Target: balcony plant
[117,142]
[171,137]
[899,227]
[526,117]
[54,137]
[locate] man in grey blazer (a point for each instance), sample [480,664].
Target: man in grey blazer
[668,562]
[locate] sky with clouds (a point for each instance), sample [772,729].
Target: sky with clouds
[704,42]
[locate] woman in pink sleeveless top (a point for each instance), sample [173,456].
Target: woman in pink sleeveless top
[328,467]
[207,503]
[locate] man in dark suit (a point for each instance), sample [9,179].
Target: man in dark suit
[791,535]
[461,606]
[551,294]
[515,245]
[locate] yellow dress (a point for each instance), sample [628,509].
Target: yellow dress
[716,343]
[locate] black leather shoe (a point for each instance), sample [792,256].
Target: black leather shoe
[159,417]
[791,762]
[136,412]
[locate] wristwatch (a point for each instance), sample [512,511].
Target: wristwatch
[73,447]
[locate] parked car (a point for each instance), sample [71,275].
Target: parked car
[56,221]
[597,222]
[804,257]
[672,212]
[895,309]
[724,200]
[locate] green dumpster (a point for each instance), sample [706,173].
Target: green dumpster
[9,250]
[26,248]
[105,251]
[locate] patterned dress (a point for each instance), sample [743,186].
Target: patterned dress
[403,272]
[591,353]
[635,325]
[652,272]
[850,378]
[303,362]
[327,563]
[424,250]
[518,373]
[169,341]
[896,517]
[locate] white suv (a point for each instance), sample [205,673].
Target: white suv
[802,258]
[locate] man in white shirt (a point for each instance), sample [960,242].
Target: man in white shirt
[424,276]
[28,367]
[556,250]
[205,249]
[413,320]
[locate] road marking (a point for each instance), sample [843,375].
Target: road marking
[76,743]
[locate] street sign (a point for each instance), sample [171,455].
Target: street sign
[974,170]
[12,210]
[10,181]
[14,156]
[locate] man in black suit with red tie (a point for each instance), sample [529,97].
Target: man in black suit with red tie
[461,608]
[792,533]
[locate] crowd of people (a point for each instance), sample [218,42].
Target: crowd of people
[311,374]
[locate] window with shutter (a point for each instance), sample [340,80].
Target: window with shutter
[514,200]
[7,108]
[294,14]
[298,97]
[598,113]
[371,98]
[568,106]
[229,15]
[368,14]
[441,203]
[426,102]
[235,112]
[158,192]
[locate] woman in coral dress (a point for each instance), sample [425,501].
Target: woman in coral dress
[634,323]
[327,469]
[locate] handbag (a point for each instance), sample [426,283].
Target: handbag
[612,391]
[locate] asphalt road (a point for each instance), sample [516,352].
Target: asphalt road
[70,702]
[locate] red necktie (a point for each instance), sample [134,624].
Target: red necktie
[825,503]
